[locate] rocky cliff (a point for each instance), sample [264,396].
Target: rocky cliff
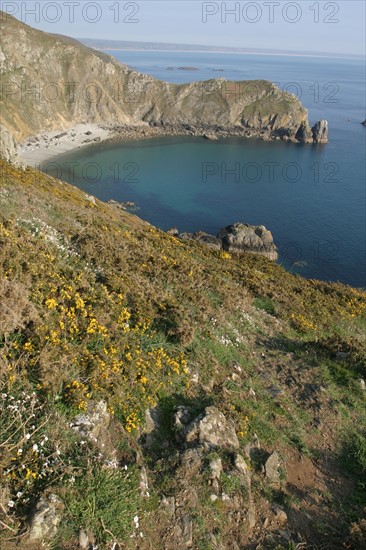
[50,82]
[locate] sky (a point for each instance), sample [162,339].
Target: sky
[305,25]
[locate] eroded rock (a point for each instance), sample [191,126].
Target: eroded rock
[242,237]
[272,469]
[320,132]
[46,518]
[94,423]
[212,430]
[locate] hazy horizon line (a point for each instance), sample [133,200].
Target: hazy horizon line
[201,48]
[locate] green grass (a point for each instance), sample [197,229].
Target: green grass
[103,502]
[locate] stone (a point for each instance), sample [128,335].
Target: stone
[84,541]
[240,464]
[210,137]
[151,427]
[168,504]
[91,199]
[212,430]
[281,515]
[242,237]
[216,471]
[272,469]
[182,416]
[173,231]
[46,518]
[252,519]
[94,423]
[320,132]
[144,483]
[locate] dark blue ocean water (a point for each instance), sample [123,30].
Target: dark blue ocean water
[312,198]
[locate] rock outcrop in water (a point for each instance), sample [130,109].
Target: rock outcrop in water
[237,238]
[320,132]
[51,82]
[242,237]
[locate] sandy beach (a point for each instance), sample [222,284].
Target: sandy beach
[39,149]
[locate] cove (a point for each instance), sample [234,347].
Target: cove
[313,205]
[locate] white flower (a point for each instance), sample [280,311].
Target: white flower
[19,494]
[11,503]
[20,451]
[27,436]
[35,447]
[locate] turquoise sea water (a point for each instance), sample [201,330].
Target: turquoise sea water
[312,198]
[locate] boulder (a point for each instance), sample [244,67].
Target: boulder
[173,231]
[46,518]
[320,132]
[94,423]
[242,237]
[272,469]
[212,430]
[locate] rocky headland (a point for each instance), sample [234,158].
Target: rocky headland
[51,84]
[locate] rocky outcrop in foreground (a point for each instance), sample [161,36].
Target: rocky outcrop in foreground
[53,83]
[238,238]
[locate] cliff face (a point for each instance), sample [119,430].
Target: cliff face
[51,82]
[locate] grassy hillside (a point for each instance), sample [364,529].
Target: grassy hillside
[100,311]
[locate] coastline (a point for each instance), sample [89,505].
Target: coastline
[46,146]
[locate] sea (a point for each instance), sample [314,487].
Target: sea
[311,197]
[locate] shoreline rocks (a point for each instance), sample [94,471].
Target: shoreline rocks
[237,238]
[242,237]
[320,132]
[48,145]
